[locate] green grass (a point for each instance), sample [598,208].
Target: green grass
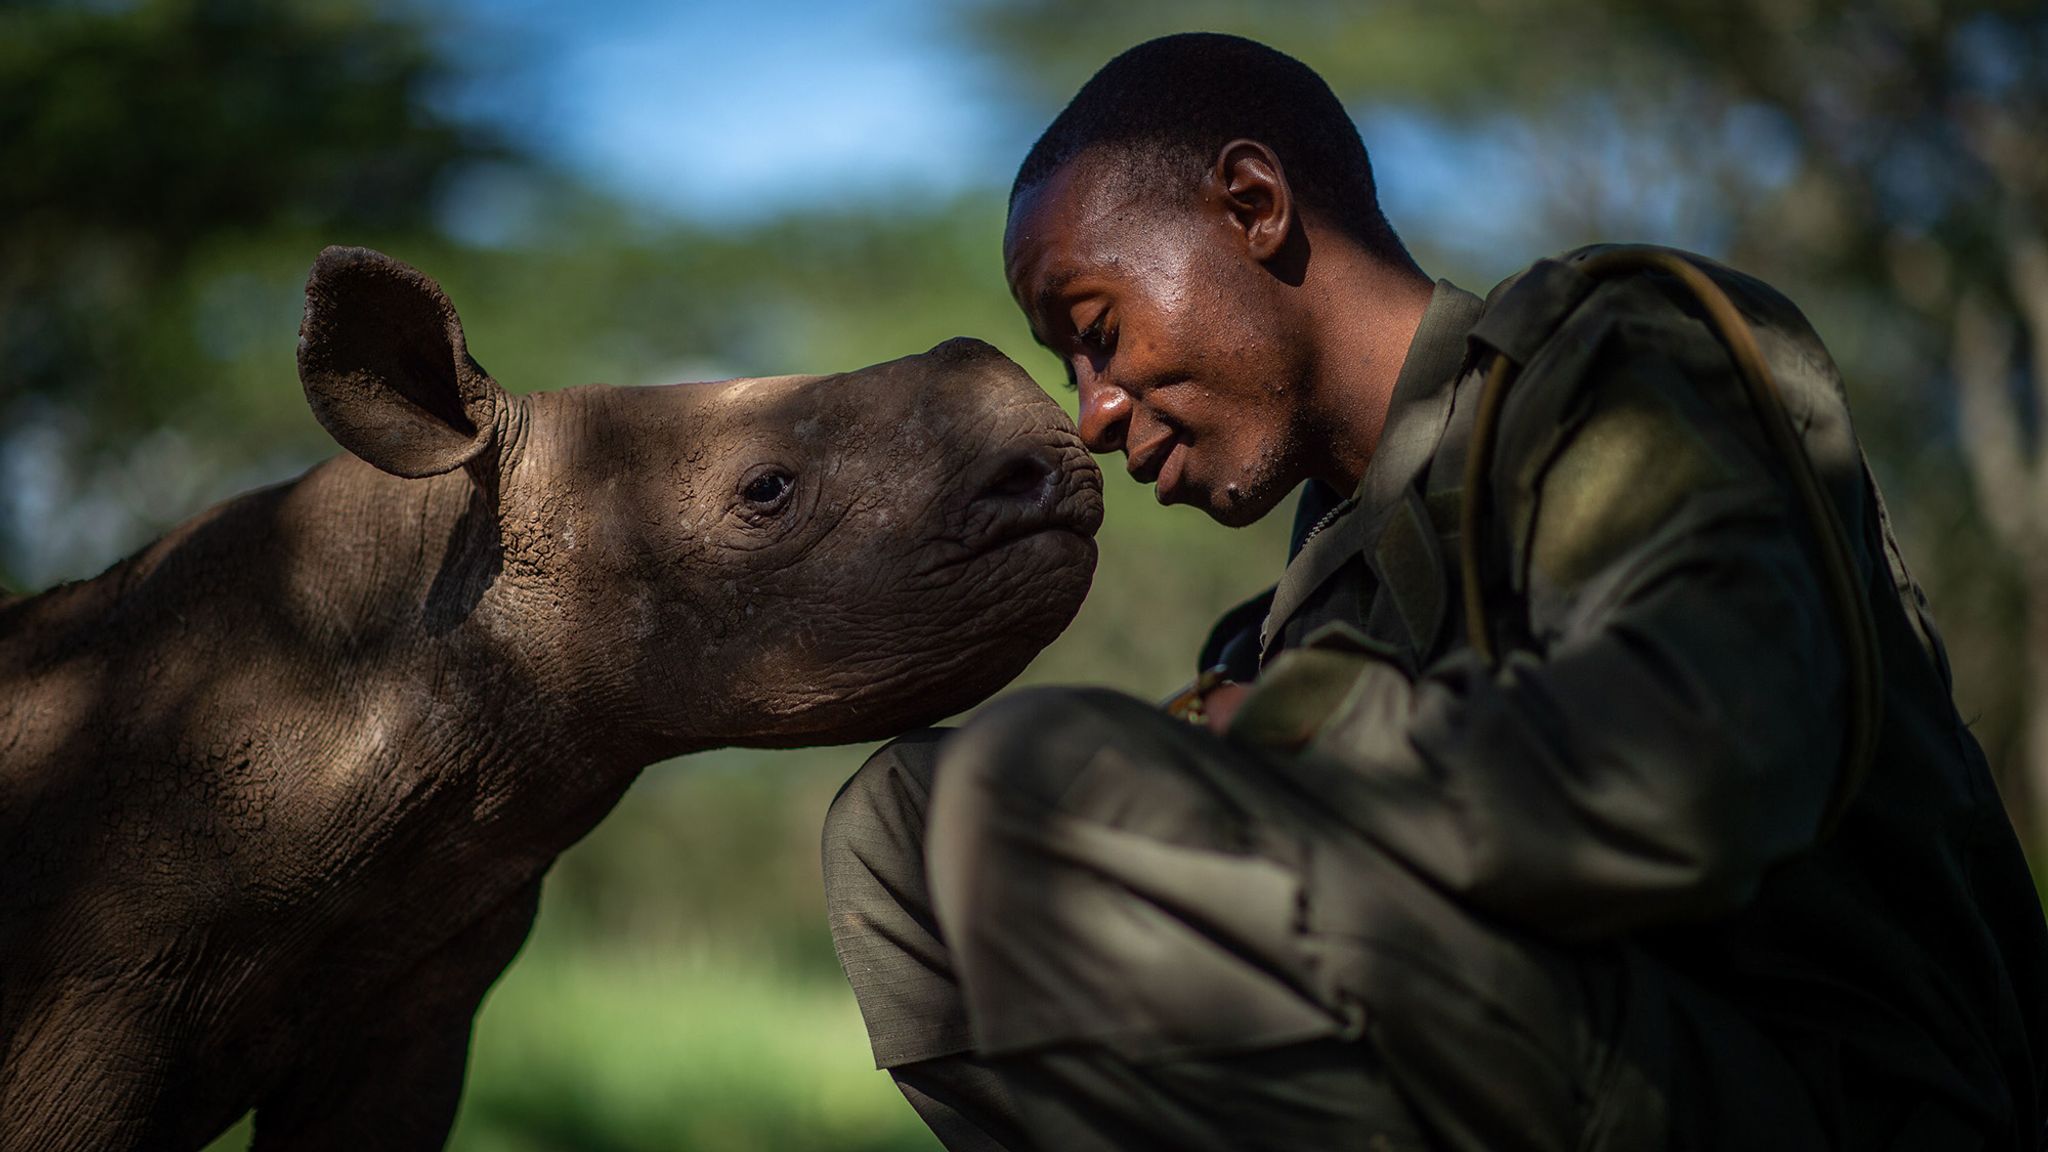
[667,1052]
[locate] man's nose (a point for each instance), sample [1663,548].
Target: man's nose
[1105,415]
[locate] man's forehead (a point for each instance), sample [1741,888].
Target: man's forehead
[1082,203]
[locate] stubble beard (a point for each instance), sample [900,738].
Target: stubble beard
[1261,483]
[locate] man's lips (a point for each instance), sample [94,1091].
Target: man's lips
[1144,463]
[1170,472]
[1160,463]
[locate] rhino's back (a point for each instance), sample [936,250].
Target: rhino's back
[169,814]
[162,727]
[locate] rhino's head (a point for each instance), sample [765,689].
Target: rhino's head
[769,561]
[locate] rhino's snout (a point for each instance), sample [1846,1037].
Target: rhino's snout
[1027,479]
[1034,485]
[1049,485]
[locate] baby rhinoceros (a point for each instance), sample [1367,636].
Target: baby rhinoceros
[277,792]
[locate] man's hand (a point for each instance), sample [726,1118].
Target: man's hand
[1220,705]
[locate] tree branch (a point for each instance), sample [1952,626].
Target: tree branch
[2028,269]
[1980,359]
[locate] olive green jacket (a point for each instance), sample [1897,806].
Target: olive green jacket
[1659,752]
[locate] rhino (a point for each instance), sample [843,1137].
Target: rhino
[277,792]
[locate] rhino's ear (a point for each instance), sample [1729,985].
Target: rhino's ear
[386,371]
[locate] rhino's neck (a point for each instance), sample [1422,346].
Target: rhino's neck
[481,664]
[347,627]
[581,595]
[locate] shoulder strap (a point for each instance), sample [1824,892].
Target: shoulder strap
[1537,305]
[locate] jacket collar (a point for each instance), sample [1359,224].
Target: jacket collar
[1416,415]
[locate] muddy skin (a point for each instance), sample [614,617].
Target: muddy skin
[277,792]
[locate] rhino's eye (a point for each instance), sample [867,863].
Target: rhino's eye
[766,491]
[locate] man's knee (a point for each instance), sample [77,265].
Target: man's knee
[1028,747]
[1054,755]
[1012,769]
[878,909]
[1092,882]
[876,822]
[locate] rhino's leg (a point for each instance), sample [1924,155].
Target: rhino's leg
[394,1085]
[84,1071]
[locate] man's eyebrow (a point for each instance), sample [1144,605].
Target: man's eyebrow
[1049,292]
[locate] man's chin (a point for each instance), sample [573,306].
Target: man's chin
[1232,507]
[1238,515]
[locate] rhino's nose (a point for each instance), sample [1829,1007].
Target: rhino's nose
[1026,477]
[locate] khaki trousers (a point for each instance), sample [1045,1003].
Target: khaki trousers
[1078,924]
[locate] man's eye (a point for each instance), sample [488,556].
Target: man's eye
[1097,337]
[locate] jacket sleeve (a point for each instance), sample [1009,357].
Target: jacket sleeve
[1673,727]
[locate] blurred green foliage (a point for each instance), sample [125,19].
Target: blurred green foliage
[639,1051]
[172,166]
[147,142]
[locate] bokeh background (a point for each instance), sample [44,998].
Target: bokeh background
[641,192]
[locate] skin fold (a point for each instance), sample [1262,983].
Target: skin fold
[277,792]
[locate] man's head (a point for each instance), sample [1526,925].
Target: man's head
[1160,241]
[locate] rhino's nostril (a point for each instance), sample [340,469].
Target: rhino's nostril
[1026,478]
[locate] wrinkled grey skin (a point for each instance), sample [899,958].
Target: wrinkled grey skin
[277,792]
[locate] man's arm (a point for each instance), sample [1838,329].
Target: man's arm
[1677,727]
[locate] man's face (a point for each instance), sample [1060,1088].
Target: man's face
[1185,351]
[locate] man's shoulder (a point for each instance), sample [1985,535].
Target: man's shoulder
[1626,398]
[1637,287]
[1569,322]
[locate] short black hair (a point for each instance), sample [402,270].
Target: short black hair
[1171,105]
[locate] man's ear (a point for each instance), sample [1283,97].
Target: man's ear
[1248,179]
[385,367]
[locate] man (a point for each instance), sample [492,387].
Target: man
[1624,883]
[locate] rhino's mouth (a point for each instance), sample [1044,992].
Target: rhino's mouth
[1034,491]
[1075,528]
[1051,532]
[1038,494]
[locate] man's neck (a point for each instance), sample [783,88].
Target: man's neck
[1367,313]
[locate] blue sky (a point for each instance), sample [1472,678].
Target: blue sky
[729,113]
[734,111]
